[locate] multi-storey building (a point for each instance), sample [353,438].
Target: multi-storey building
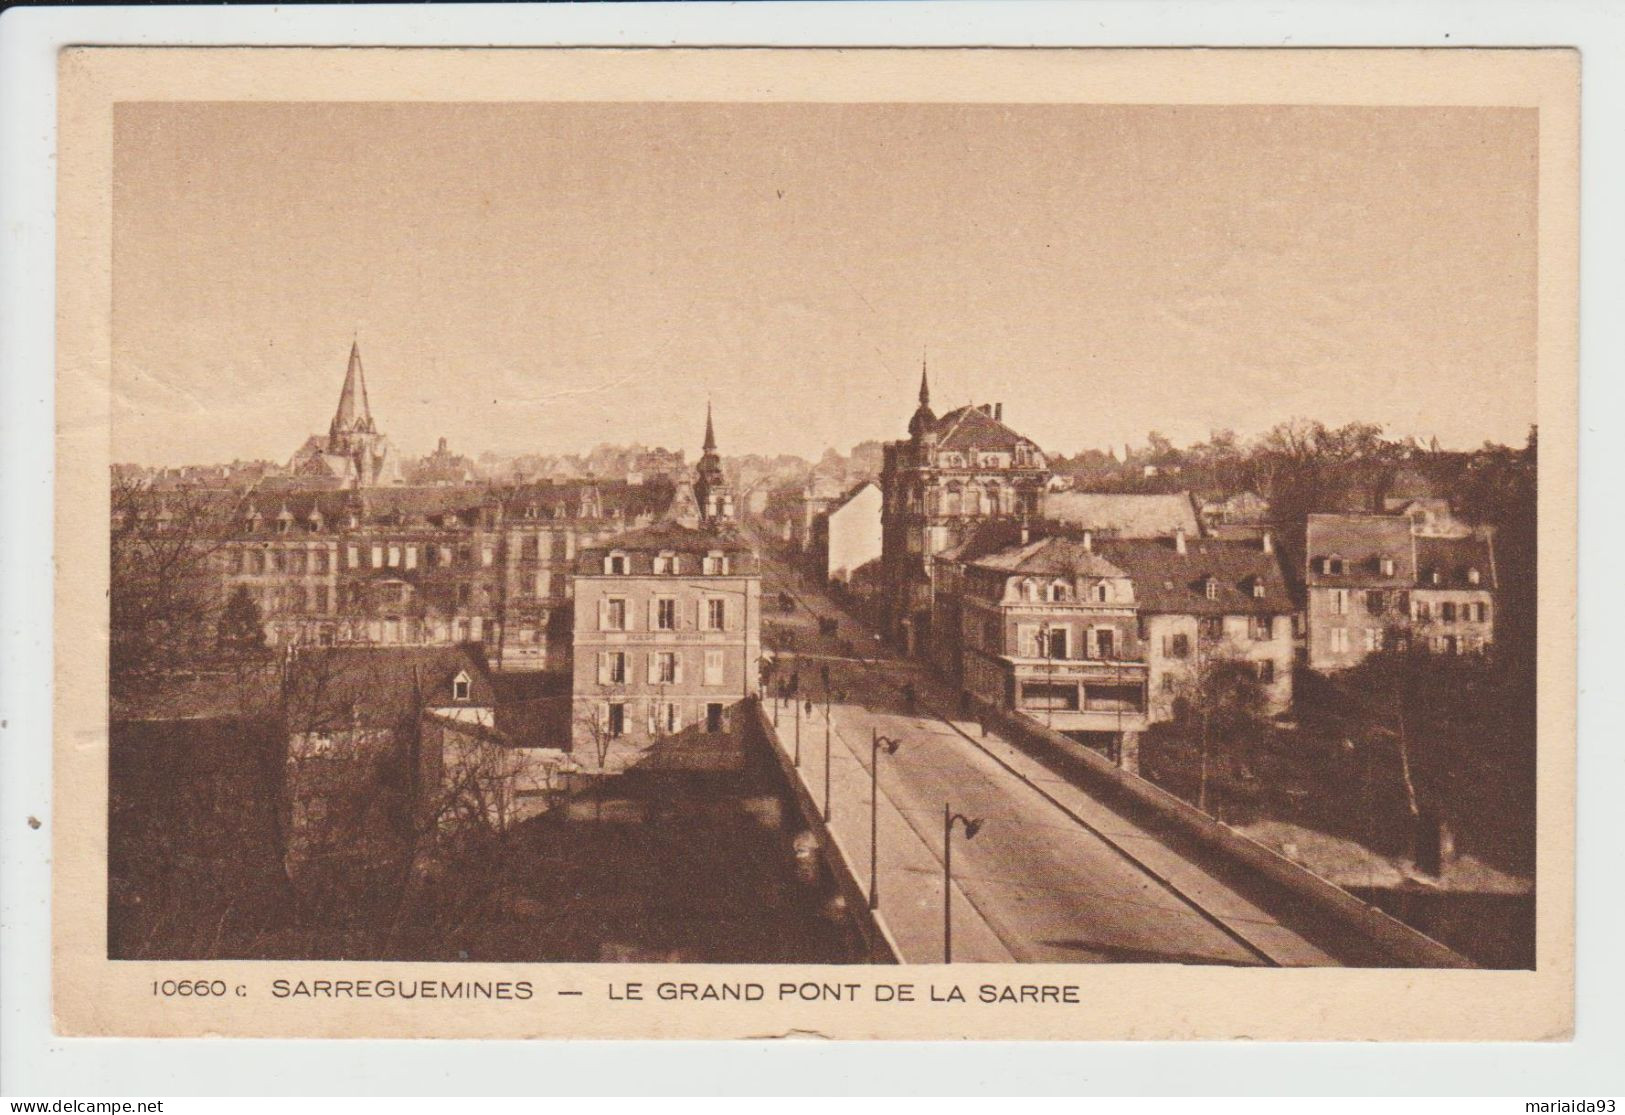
[667,634]
[667,623]
[1373,582]
[950,475]
[427,566]
[1453,605]
[1202,601]
[846,537]
[1357,581]
[1050,629]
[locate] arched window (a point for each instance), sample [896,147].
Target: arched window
[973,499]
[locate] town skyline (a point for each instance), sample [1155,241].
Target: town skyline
[560,275]
[613,439]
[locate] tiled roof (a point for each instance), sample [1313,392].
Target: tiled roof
[428,505]
[1124,514]
[971,427]
[988,536]
[850,494]
[1050,556]
[1453,557]
[1167,581]
[323,684]
[1361,542]
[381,684]
[643,544]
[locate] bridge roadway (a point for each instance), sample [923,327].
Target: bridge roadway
[1055,874]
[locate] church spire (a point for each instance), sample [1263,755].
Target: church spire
[711,486]
[925,387]
[353,412]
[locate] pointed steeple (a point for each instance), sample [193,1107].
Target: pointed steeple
[353,412]
[924,418]
[711,488]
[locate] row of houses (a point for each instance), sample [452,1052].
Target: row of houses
[641,598]
[1098,612]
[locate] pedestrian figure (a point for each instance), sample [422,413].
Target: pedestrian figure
[964,702]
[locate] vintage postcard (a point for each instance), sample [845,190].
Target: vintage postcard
[722,543]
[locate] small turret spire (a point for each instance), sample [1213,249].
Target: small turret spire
[923,417]
[710,434]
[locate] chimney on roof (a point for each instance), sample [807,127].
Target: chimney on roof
[998,412]
[1179,540]
[1089,541]
[1269,542]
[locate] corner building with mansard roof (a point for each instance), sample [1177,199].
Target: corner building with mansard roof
[951,474]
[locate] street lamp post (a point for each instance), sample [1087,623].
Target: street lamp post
[876,742]
[798,729]
[972,827]
[1049,674]
[826,744]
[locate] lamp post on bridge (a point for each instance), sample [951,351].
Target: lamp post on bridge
[826,743]
[973,825]
[876,742]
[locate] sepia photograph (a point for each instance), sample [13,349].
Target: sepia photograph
[859,533]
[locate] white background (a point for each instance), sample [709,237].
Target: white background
[35,1063]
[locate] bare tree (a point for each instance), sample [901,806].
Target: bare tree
[1221,701]
[597,735]
[163,594]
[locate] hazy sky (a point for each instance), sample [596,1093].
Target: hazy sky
[547,277]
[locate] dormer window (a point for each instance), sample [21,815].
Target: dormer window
[1258,588]
[460,686]
[1333,565]
[1386,566]
[716,563]
[615,565]
[1472,576]
[1434,577]
[1102,592]
[666,563]
[1211,587]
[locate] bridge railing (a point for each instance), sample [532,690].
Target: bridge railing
[1408,947]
